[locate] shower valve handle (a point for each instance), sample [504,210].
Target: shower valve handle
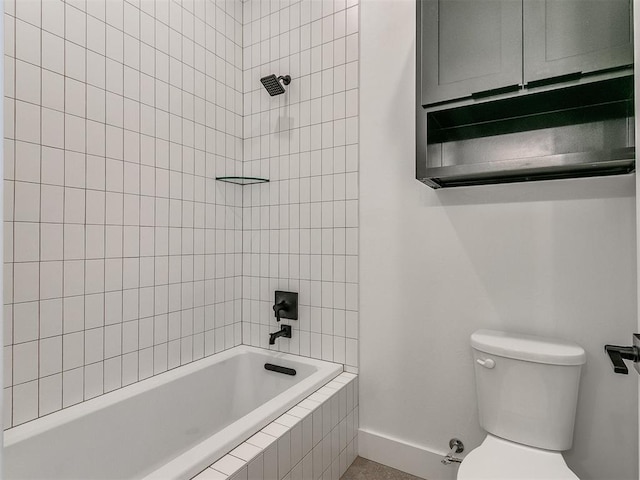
[285,305]
[279,307]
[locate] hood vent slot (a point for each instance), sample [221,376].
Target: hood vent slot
[577,131]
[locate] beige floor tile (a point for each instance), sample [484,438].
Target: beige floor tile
[363,469]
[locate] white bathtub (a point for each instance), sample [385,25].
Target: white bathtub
[170,426]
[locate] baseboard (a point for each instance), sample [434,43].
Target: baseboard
[408,457]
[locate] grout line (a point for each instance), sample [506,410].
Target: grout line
[84,233]
[104,233]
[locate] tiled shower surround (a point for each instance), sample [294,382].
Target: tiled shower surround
[301,229]
[123,254]
[124,257]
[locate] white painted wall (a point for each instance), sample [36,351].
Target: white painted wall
[636,59]
[2,320]
[553,258]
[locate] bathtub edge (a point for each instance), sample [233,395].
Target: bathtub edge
[341,439]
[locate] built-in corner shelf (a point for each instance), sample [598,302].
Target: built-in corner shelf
[242,180]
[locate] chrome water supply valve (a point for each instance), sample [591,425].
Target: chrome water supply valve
[456,446]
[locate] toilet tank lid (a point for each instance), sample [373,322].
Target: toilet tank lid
[529,348]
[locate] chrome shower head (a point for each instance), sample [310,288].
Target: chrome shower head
[272,84]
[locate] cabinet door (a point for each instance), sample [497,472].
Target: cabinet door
[563,37]
[469,46]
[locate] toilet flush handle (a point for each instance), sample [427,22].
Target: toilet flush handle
[486,363]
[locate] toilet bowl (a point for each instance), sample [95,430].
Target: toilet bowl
[499,459]
[527,392]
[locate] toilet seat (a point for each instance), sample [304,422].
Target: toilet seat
[499,459]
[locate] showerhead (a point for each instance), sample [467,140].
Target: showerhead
[272,84]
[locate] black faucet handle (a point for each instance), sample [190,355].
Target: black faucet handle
[285,305]
[279,307]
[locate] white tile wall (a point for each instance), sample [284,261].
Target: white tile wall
[122,253]
[316,439]
[300,230]
[123,257]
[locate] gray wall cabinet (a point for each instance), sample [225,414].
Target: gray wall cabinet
[563,37]
[471,48]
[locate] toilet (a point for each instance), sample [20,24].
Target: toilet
[527,391]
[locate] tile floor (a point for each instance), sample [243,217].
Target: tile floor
[363,469]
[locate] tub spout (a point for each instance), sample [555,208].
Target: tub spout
[285,332]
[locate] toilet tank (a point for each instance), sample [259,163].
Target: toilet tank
[527,387]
